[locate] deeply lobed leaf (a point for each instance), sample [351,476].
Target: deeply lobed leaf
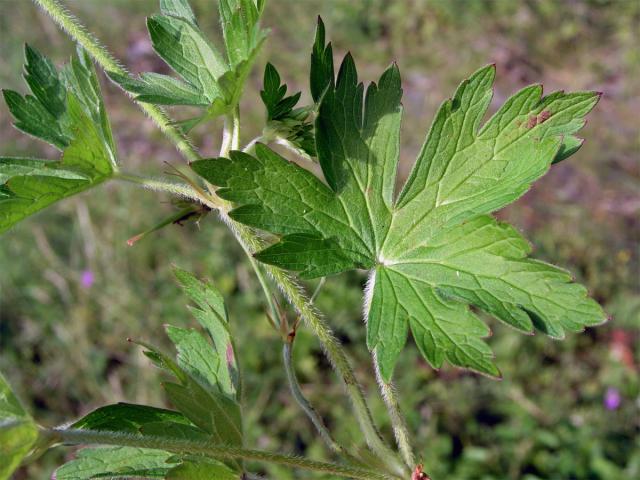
[434,250]
[66,110]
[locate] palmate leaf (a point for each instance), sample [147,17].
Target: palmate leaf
[18,432]
[66,110]
[432,250]
[208,78]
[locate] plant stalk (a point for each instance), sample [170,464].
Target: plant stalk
[305,405]
[400,430]
[249,241]
[180,446]
[181,190]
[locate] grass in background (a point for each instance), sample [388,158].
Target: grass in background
[72,292]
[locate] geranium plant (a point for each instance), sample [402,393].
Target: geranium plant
[434,254]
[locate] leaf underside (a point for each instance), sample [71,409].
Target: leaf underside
[433,249]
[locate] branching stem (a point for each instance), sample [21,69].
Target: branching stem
[249,241]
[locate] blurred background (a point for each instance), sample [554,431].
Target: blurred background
[72,291]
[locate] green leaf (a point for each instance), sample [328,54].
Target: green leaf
[120,462]
[18,432]
[183,46]
[202,469]
[127,418]
[178,8]
[432,250]
[211,313]
[68,112]
[208,79]
[273,95]
[240,28]
[161,89]
[207,372]
[284,124]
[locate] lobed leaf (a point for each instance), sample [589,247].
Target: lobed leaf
[433,251]
[66,110]
[207,79]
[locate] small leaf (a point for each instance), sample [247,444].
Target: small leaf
[120,462]
[211,313]
[18,432]
[161,89]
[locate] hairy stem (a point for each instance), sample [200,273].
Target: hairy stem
[90,43]
[400,430]
[179,189]
[250,242]
[92,437]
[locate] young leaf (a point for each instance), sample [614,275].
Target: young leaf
[283,122]
[67,111]
[116,462]
[208,79]
[433,250]
[18,432]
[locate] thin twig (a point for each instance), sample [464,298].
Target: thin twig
[250,242]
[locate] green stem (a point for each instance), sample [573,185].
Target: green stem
[231,133]
[249,241]
[90,43]
[179,189]
[400,430]
[301,400]
[264,283]
[180,446]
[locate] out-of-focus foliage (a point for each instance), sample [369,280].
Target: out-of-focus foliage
[564,409]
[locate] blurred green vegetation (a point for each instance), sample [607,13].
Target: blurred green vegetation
[554,416]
